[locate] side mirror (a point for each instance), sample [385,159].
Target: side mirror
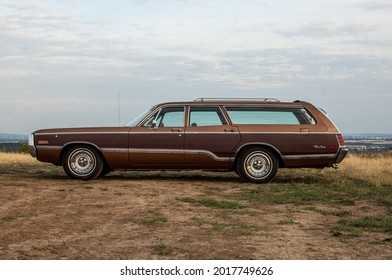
[153,124]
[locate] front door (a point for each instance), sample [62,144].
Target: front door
[159,142]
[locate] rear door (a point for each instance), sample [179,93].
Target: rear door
[210,140]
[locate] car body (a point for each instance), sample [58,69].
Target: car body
[253,137]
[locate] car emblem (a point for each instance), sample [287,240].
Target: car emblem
[319,146]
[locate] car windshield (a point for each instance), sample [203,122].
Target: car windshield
[140,117]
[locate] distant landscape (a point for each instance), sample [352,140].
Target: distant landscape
[12,142]
[369,142]
[357,143]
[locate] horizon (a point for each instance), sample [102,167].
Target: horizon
[99,63]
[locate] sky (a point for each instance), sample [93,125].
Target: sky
[101,63]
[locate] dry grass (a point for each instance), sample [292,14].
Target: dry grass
[376,169]
[14,158]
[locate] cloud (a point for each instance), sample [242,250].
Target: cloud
[78,55]
[375,5]
[327,30]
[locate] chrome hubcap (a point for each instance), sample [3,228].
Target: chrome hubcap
[82,162]
[258,165]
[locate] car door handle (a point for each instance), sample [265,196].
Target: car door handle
[305,131]
[176,129]
[229,130]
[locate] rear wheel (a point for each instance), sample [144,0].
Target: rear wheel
[82,162]
[257,165]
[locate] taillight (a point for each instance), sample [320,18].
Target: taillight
[341,140]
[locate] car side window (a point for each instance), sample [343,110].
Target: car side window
[170,117]
[269,115]
[206,116]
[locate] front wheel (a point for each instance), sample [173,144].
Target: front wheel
[82,162]
[105,170]
[257,165]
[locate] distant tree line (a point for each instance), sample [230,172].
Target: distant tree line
[14,147]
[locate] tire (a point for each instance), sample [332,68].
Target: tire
[82,162]
[257,165]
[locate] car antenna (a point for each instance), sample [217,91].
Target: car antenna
[118,108]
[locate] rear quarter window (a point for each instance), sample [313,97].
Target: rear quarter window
[265,115]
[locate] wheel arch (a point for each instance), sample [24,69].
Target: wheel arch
[267,146]
[69,145]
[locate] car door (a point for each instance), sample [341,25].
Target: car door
[159,142]
[210,140]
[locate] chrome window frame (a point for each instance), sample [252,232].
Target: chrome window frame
[206,106]
[299,108]
[158,111]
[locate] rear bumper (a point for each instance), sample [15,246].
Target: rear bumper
[341,154]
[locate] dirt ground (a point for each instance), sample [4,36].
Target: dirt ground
[160,215]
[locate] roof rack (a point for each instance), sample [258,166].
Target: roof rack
[203,99]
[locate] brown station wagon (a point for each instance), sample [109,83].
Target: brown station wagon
[253,137]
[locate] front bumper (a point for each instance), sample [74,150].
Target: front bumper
[342,153]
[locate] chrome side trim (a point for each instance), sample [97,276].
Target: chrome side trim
[154,131]
[83,133]
[179,151]
[183,132]
[310,156]
[114,150]
[48,147]
[165,151]
[204,152]
[53,147]
[288,157]
[169,132]
[299,133]
[201,132]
